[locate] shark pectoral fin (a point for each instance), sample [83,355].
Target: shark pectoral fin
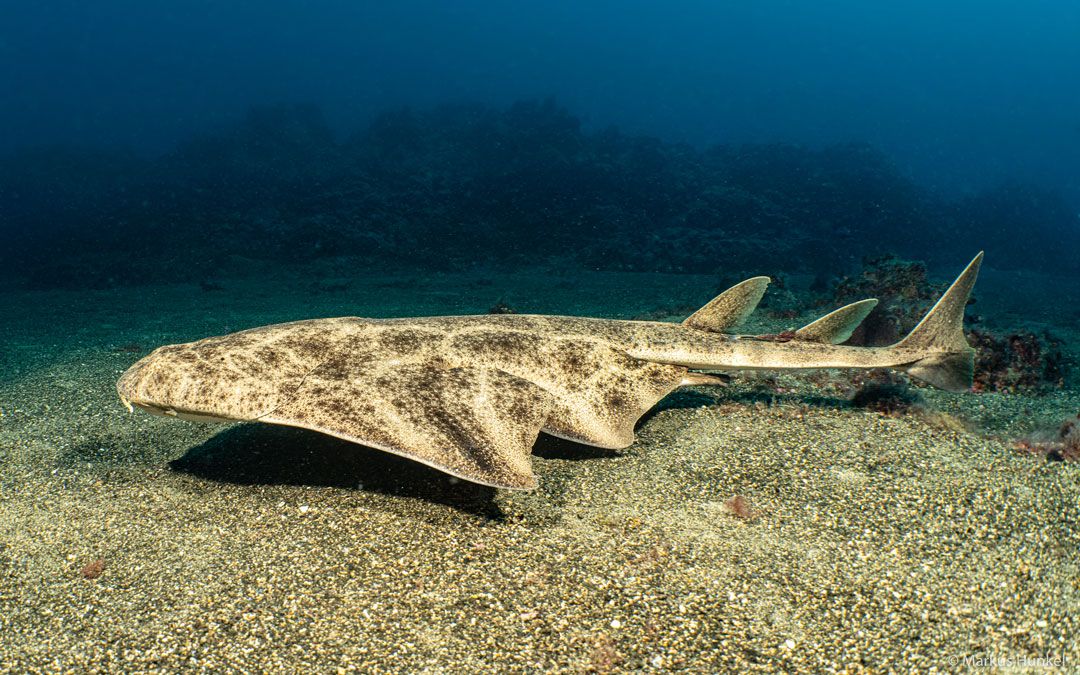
[477,423]
[600,399]
[730,308]
[838,325]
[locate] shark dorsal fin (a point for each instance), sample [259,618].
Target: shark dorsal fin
[730,308]
[838,325]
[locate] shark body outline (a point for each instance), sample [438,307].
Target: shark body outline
[469,395]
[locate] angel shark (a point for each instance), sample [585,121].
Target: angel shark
[469,395]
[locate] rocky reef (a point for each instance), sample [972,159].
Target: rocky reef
[1021,360]
[1064,446]
[461,185]
[1005,362]
[903,291]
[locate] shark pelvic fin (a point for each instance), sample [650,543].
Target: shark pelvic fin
[838,325]
[950,361]
[730,308]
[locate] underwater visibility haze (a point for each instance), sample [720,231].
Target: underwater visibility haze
[585,337]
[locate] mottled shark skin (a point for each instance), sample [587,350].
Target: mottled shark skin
[470,394]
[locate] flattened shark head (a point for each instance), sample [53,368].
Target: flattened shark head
[241,377]
[175,381]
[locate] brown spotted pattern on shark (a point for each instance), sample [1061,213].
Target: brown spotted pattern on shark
[470,394]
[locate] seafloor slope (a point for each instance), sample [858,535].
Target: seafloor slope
[860,540]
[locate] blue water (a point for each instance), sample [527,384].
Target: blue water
[629,136]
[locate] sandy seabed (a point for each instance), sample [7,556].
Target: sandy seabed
[861,542]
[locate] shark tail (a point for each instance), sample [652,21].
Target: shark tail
[948,361]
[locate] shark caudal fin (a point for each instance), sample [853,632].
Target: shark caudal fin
[949,361]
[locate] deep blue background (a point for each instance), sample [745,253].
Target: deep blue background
[960,94]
